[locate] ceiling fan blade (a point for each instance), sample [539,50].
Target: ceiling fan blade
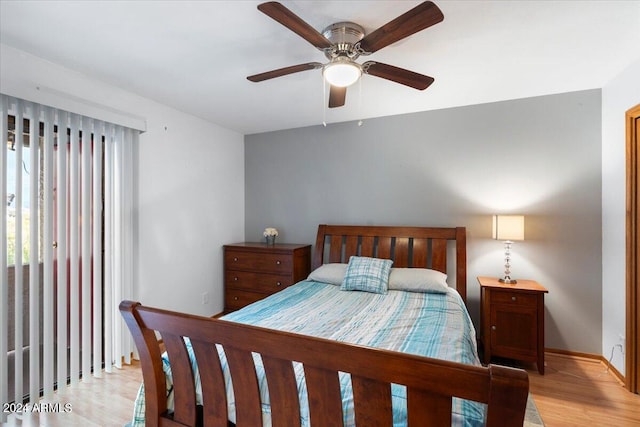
[398,75]
[337,96]
[279,13]
[284,71]
[417,19]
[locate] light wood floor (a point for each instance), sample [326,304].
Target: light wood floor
[573,392]
[106,401]
[580,392]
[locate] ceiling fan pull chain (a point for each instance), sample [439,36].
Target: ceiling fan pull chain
[324,103]
[360,102]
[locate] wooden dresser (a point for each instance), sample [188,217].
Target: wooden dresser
[253,271]
[512,320]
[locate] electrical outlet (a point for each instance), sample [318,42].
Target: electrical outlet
[205,298]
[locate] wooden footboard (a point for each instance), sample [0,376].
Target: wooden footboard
[431,383]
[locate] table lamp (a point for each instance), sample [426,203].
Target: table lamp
[508,228]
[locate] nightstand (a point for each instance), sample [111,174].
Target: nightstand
[512,320]
[253,271]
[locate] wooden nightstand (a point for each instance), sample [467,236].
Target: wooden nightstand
[512,320]
[253,271]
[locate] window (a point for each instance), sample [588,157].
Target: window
[20,201]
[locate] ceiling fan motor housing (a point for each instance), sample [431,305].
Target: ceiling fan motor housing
[343,37]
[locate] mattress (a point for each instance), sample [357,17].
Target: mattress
[428,324]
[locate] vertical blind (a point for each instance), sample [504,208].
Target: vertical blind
[65,229]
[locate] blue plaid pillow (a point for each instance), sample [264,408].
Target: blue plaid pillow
[367,274]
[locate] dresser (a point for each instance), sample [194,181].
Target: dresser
[253,271]
[512,320]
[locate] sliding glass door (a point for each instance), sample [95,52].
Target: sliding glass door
[65,261]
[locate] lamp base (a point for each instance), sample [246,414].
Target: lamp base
[507,280]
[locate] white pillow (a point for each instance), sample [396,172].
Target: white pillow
[418,280]
[329,273]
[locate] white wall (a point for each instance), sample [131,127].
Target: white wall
[618,96]
[191,201]
[190,182]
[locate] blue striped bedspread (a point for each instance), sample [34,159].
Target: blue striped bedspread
[427,324]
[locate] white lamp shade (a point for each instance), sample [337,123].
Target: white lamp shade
[508,227]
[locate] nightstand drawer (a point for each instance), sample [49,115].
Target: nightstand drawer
[258,282]
[270,263]
[517,298]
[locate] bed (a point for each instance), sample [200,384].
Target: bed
[315,354]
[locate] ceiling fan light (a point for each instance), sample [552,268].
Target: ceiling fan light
[341,72]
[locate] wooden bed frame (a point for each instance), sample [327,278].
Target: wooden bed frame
[431,383]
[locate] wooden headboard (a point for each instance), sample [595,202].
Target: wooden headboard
[424,247]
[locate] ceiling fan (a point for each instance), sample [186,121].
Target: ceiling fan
[343,42]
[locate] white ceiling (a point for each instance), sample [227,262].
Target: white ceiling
[195,55]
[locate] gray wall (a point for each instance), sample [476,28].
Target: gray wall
[540,157]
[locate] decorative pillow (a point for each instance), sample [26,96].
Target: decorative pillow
[329,273]
[418,280]
[367,274]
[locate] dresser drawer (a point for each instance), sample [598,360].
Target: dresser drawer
[514,298]
[262,262]
[235,299]
[258,282]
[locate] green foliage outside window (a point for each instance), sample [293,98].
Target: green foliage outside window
[11,238]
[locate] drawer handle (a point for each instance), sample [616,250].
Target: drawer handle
[493,328]
[513,298]
[235,278]
[278,283]
[278,263]
[235,298]
[235,258]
